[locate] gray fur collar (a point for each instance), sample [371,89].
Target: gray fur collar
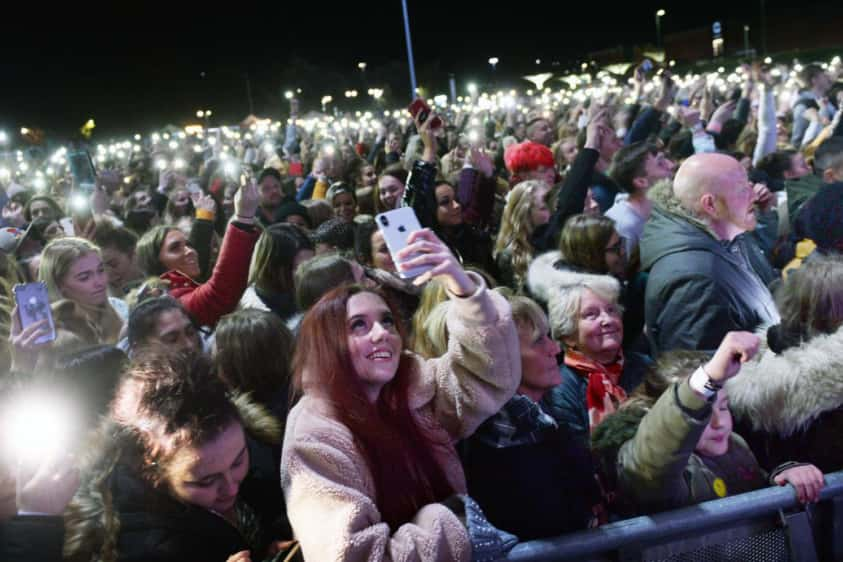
[543,277]
[785,393]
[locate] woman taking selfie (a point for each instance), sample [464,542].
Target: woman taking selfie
[369,468]
[73,271]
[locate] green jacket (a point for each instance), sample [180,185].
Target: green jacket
[657,468]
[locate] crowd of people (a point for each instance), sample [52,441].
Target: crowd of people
[630,304]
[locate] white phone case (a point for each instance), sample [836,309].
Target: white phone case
[396,226]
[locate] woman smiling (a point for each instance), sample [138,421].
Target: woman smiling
[369,464]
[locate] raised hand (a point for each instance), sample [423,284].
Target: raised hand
[735,349]
[246,201]
[426,249]
[23,342]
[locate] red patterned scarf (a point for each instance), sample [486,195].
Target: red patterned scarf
[603,394]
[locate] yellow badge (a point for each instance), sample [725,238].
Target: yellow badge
[720,488]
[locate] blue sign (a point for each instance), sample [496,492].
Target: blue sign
[716,28]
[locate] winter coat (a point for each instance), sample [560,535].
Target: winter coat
[530,475]
[155,527]
[656,466]
[209,301]
[789,405]
[328,486]
[699,288]
[567,401]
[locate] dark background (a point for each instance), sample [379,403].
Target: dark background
[134,68]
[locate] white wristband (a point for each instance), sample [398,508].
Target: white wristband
[702,384]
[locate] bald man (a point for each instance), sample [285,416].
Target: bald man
[707,274]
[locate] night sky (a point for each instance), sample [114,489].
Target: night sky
[136,67]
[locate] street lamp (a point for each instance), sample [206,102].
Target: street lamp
[746,39]
[659,15]
[361,66]
[494,61]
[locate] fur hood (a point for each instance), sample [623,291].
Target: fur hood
[258,421]
[250,299]
[544,279]
[784,393]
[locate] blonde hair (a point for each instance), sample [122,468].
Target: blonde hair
[528,315]
[516,227]
[432,295]
[57,259]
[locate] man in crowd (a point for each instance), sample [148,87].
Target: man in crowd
[706,277]
[636,168]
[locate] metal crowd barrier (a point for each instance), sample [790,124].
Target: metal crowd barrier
[767,525]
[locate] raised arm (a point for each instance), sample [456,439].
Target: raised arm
[482,367]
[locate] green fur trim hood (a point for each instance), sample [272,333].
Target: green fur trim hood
[257,420]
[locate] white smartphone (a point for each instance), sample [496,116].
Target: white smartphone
[33,306]
[396,226]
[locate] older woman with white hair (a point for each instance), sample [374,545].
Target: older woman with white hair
[586,318]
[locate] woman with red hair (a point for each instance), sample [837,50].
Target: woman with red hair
[369,468]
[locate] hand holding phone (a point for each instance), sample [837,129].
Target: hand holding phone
[420,112]
[32,324]
[432,253]
[396,227]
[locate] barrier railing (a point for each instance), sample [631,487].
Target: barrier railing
[765,525]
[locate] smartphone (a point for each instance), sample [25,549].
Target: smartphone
[67,224]
[82,169]
[33,306]
[419,107]
[647,65]
[80,210]
[396,226]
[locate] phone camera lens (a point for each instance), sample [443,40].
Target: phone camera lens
[384,221]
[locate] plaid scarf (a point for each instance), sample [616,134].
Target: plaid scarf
[603,394]
[520,422]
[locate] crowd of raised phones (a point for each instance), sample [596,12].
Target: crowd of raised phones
[631,303]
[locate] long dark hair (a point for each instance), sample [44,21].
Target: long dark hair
[399,452]
[254,350]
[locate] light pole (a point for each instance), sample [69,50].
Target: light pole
[746,40]
[409,50]
[659,15]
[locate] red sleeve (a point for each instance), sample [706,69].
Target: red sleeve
[220,294]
